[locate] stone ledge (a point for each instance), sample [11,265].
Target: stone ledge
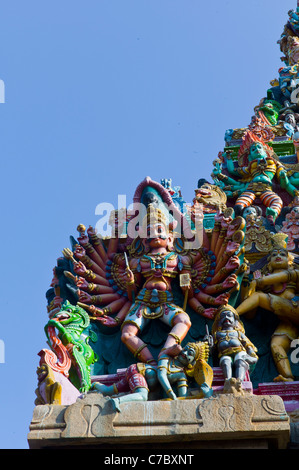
[223,420]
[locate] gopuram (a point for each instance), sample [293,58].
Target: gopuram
[181,328]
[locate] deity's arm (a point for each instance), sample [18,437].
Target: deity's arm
[248,345]
[200,309]
[288,183]
[163,365]
[239,171]
[132,279]
[230,282]
[232,264]
[276,278]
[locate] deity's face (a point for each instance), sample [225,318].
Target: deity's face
[157,235]
[227,319]
[249,211]
[290,119]
[279,259]
[187,355]
[257,151]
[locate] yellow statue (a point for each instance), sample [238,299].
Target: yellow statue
[276,291]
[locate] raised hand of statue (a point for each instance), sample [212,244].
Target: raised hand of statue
[81,282]
[80,268]
[91,231]
[83,239]
[97,312]
[231,248]
[209,313]
[83,296]
[233,263]
[230,281]
[128,276]
[79,252]
[108,321]
[222,299]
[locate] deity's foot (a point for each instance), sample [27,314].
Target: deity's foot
[116,403]
[281,378]
[98,387]
[271,215]
[172,351]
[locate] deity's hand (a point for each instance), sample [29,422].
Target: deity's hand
[231,248]
[171,395]
[233,263]
[83,239]
[79,252]
[217,171]
[80,268]
[83,296]
[283,179]
[81,282]
[96,312]
[108,321]
[91,231]
[129,276]
[230,281]
[209,313]
[222,299]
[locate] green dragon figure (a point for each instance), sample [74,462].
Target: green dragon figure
[72,322]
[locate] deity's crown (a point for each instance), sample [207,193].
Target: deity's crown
[249,139]
[279,240]
[154,215]
[199,348]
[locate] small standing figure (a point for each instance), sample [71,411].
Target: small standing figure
[190,362]
[235,351]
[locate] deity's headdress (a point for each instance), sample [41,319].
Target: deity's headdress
[221,309]
[249,139]
[279,242]
[154,215]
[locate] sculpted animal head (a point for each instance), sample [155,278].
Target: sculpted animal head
[70,316]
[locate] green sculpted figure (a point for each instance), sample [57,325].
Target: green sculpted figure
[72,322]
[258,174]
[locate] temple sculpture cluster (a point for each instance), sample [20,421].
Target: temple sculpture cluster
[182,325]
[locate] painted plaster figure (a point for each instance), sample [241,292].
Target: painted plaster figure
[235,351]
[135,386]
[277,292]
[191,361]
[260,172]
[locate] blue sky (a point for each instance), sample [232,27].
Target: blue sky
[98,95]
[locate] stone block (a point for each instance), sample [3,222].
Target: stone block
[222,421]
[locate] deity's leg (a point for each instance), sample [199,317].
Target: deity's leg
[182,387]
[258,299]
[140,394]
[136,345]
[245,200]
[273,203]
[181,325]
[280,345]
[226,366]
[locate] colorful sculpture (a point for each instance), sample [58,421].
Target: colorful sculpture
[148,294]
[190,362]
[276,291]
[236,352]
[258,176]
[135,386]
[71,323]
[290,226]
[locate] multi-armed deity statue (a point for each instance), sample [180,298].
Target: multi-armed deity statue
[130,313]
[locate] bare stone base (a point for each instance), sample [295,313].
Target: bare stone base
[223,421]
